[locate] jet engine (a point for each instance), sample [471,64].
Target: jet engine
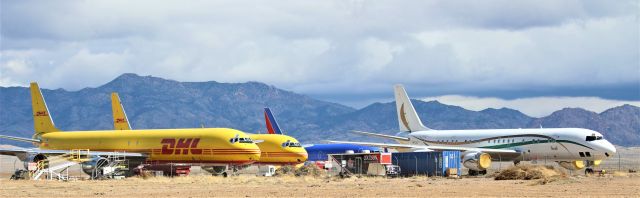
[215,170]
[93,166]
[596,162]
[476,161]
[573,165]
[31,158]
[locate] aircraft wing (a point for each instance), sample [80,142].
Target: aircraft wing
[19,150]
[382,145]
[382,135]
[14,151]
[426,147]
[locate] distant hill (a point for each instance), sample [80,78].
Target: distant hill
[153,102]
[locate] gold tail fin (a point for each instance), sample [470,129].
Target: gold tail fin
[42,122]
[120,120]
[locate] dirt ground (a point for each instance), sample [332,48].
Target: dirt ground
[620,184]
[289,186]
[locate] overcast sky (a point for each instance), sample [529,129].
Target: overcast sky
[344,51]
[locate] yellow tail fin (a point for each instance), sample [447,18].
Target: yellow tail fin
[42,122]
[120,120]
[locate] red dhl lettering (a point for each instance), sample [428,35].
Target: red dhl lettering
[41,113]
[120,120]
[180,147]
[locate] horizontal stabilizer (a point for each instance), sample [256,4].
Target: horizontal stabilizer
[20,139]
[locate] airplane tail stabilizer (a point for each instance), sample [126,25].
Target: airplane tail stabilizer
[42,122]
[408,119]
[270,121]
[120,120]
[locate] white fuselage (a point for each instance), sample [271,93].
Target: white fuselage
[553,144]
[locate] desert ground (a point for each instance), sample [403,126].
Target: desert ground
[289,186]
[616,183]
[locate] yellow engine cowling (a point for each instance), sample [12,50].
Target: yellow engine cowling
[477,161]
[573,165]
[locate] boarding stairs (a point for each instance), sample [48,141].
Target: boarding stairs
[57,167]
[344,172]
[116,166]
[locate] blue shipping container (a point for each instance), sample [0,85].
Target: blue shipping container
[426,163]
[452,159]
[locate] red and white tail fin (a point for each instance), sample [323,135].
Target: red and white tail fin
[270,121]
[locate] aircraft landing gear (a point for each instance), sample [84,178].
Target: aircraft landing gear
[476,173]
[224,171]
[20,175]
[588,171]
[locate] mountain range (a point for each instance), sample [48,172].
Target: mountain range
[153,102]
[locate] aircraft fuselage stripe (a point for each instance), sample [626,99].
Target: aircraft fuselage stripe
[549,140]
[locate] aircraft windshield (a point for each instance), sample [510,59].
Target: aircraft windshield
[294,144]
[241,140]
[593,138]
[291,144]
[245,140]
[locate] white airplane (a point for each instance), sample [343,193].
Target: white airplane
[571,148]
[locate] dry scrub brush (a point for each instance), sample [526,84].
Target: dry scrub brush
[546,174]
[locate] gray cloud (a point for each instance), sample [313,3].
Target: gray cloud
[327,48]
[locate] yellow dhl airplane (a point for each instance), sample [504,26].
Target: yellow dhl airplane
[212,146]
[276,149]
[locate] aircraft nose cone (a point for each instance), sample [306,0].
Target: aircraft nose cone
[303,157]
[609,148]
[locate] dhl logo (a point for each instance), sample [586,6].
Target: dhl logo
[121,120]
[180,147]
[41,113]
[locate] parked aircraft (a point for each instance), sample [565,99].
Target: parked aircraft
[571,148]
[275,149]
[317,152]
[220,147]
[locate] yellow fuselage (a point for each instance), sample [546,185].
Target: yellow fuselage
[206,145]
[273,151]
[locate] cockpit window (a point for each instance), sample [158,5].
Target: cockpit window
[288,143]
[241,140]
[294,144]
[593,138]
[245,140]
